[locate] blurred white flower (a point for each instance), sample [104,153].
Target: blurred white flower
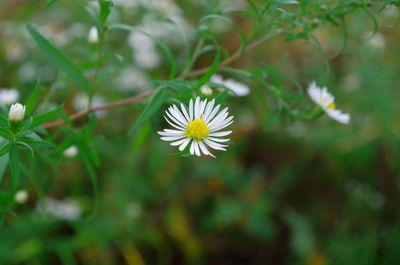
[67,209]
[377,41]
[80,102]
[325,100]
[206,90]
[14,52]
[237,88]
[8,96]
[133,209]
[71,151]
[21,196]
[93,36]
[16,113]
[351,81]
[201,126]
[27,71]
[132,79]
[140,41]
[148,59]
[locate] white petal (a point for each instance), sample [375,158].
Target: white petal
[196,148]
[197,108]
[164,133]
[172,138]
[192,148]
[212,114]
[202,107]
[191,109]
[175,117]
[221,126]
[204,149]
[178,142]
[214,145]
[220,134]
[184,144]
[174,125]
[219,118]
[219,140]
[185,112]
[338,116]
[208,110]
[177,114]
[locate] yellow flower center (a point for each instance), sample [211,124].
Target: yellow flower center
[331,106]
[197,129]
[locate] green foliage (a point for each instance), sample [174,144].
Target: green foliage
[294,187]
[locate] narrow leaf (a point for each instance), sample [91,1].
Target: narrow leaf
[50,2]
[32,100]
[3,121]
[154,104]
[58,58]
[14,166]
[46,117]
[212,69]
[5,134]
[3,165]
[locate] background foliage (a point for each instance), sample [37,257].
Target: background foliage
[291,189]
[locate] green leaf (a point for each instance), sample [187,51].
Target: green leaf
[165,49]
[5,134]
[155,103]
[3,165]
[221,96]
[58,58]
[212,69]
[39,144]
[3,121]
[27,146]
[32,100]
[176,85]
[4,149]
[105,9]
[240,31]
[46,117]
[14,166]
[50,2]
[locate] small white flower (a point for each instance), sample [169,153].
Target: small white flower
[67,209]
[17,112]
[80,102]
[21,196]
[206,90]
[133,209]
[237,88]
[147,58]
[93,36]
[8,96]
[325,100]
[71,152]
[200,125]
[377,41]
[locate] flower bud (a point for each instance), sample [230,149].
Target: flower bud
[71,152]
[17,112]
[93,35]
[21,196]
[206,90]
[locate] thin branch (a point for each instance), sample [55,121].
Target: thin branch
[81,114]
[139,97]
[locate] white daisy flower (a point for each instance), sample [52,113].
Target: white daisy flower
[237,88]
[8,96]
[200,127]
[325,100]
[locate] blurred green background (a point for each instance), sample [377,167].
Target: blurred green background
[286,192]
